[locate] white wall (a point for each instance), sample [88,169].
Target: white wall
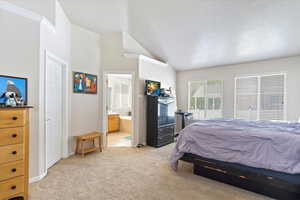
[113,60]
[24,42]
[150,69]
[55,40]
[45,8]
[85,53]
[19,56]
[132,47]
[23,45]
[228,73]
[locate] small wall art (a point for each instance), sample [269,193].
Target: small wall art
[13,87]
[84,83]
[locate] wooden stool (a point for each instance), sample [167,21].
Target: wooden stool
[80,140]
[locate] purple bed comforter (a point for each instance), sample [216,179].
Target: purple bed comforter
[259,144]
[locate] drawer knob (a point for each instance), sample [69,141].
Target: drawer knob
[14,152]
[13,187]
[13,170]
[14,135]
[14,118]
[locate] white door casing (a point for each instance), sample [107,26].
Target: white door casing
[65,115]
[133,105]
[53,108]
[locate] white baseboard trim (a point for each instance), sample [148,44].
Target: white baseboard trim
[71,154]
[37,178]
[40,177]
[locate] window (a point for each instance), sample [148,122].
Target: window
[119,94]
[260,97]
[206,99]
[125,95]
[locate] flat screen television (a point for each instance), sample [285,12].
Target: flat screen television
[152,88]
[13,84]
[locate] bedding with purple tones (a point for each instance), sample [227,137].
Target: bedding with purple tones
[260,144]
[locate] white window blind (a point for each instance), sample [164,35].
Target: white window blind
[272,97]
[206,99]
[260,97]
[119,94]
[246,98]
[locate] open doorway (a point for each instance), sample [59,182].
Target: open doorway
[119,106]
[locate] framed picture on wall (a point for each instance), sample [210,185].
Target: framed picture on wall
[84,83]
[13,84]
[78,82]
[90,84]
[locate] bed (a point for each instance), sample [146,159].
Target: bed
[259,156]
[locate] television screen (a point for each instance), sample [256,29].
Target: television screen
[13,84]
[152,88]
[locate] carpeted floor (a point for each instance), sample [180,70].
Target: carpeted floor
[130,174]
[119,139]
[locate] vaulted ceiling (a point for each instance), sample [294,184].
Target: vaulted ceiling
[198,33]
[97,15]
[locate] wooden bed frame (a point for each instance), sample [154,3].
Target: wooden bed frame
[270,183]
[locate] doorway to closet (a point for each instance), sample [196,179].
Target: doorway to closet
[54,98]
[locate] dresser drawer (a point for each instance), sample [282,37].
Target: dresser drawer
[11,153]
[11,170]
[164,131]
[11,136]
[12,118]
[163,140]
[11,187]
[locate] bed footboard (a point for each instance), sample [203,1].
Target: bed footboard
[244,182]
[269,184]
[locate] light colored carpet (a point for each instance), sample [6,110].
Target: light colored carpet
[130,174]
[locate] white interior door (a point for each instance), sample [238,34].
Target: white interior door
[53,112]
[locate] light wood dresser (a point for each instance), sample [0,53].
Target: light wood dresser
[14,146]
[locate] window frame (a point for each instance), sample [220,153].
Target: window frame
[259,76]
[206,97]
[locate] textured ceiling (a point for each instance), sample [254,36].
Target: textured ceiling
[201,33]
[198,33]
[97,15]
